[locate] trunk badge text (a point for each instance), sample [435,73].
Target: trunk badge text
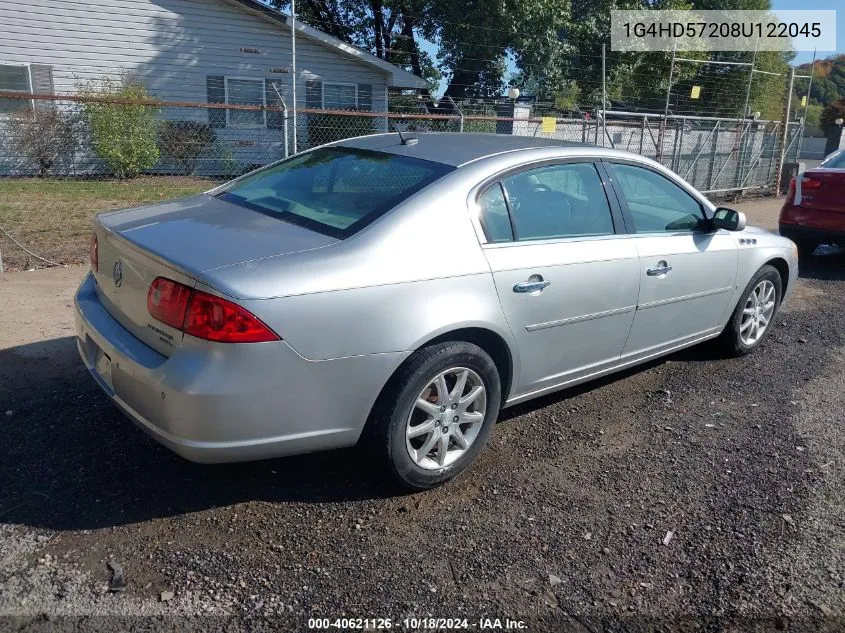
[117,273]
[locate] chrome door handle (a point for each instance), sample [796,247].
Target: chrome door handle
[662,268]
[530,286]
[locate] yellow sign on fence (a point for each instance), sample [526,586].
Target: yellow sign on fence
[804,101]
[549,124]
[695,93]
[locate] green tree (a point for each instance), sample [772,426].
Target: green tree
[386,28]
[813,116]
[828,80]
[123,133]
[556,48]
[474,38]
[831,112]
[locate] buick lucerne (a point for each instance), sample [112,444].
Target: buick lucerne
[399,292]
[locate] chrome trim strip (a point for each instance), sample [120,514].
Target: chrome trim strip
[578,319]
[696,295]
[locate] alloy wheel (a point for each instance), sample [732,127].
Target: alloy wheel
[757,313]
[446,418]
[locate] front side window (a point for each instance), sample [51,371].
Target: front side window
[556,201]
[245,92]
[336,191]
[14,79]
[655,202]
[339,97]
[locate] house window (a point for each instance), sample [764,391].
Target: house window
[245,92]
[14,79]
[340,96]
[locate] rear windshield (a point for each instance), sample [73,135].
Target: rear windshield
[834,161]
[336,191]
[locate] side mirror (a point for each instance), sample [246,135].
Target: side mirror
[728,219]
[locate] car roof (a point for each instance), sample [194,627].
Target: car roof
[455,149]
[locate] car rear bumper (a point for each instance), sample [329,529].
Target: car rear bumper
[796,232]
[215,402]
[797,222]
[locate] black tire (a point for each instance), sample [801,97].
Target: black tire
[388,422]
[730,338]
[806,247]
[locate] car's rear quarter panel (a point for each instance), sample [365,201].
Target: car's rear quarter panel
[416,272]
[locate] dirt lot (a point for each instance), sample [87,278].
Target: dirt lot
[563,522]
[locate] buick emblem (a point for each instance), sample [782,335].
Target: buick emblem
[117,273]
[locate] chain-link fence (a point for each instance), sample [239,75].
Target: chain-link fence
[91,137]
[62,158]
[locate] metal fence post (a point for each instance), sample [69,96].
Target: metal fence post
[750,78]
[775,135]
[603,96]
[460,113]
[712,166]
[679,145]
[642,135]
[804,118]
[596,140]
[782,149]
[662,132]
[293,65]
[284,116]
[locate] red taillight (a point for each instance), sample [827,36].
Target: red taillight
[808,183]
[792,185]
[167,301]
[203,315]
[215,319]
[94,253]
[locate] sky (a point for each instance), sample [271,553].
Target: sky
[837,5]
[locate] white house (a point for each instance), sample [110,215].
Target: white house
[206,51]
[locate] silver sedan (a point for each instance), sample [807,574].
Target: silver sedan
[399,292]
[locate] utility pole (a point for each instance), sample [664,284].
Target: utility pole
[785,131]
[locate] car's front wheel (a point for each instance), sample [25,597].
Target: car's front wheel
[437,412]
[754,315]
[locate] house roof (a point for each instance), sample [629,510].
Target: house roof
[396,77]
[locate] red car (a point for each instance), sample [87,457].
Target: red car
[814,210]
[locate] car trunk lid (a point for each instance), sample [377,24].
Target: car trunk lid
[181,240]
[822,189]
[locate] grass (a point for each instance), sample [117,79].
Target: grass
[52,217]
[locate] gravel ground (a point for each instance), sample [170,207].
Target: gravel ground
[695,493]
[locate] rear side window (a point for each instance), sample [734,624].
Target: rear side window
[555,201]
[336,191]
[494,215]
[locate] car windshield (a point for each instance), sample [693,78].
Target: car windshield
[834,161]
[336,191]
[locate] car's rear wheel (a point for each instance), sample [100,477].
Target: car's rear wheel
[754,315]
[436,414]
